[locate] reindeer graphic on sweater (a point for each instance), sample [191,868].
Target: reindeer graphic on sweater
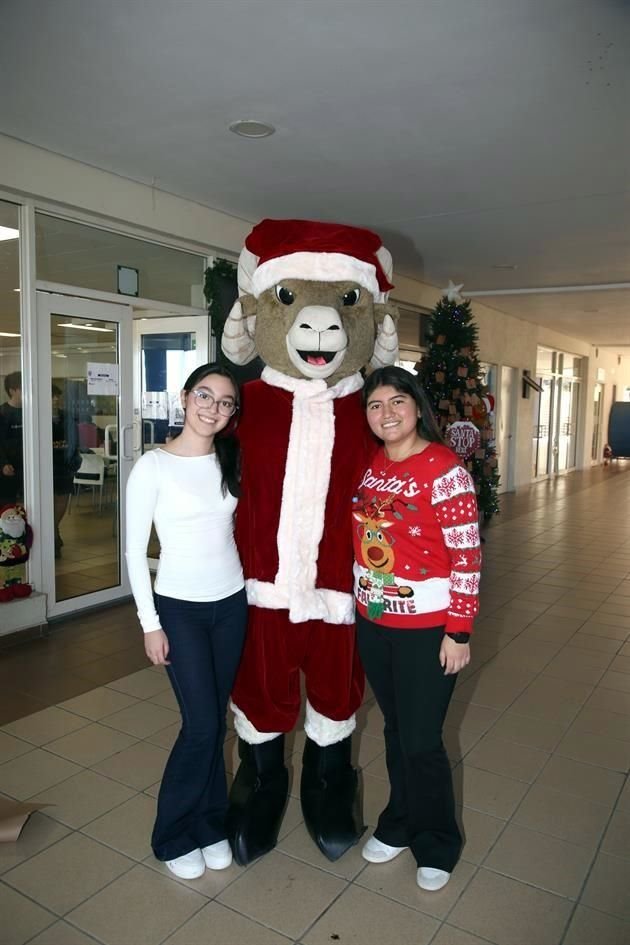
[377,552]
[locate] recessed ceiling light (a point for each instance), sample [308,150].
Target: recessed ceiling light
[8,233]
[252,129]
[9,334]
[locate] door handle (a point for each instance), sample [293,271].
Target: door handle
[126,454]
[136,438]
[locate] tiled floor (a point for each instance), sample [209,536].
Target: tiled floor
[89,557]
[539,736]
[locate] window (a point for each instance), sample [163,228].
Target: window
[412,336]
[412,328]
[75,254]
[11,447]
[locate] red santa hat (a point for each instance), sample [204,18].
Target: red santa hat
[305,249]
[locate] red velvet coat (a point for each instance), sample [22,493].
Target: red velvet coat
[303,452]
[267,414]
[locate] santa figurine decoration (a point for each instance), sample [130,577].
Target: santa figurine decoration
[313,305]
[16,537]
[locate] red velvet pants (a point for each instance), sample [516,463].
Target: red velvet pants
[267,687]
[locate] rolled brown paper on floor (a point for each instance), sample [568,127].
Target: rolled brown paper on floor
[13,816]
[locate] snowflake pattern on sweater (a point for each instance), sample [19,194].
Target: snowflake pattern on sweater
[416,542]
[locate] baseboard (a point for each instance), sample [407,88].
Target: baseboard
[23,613]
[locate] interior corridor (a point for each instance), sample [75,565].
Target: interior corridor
[538,734]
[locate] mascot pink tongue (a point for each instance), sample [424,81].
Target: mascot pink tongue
[313,304]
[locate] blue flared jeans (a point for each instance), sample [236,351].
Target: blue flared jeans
[205,644]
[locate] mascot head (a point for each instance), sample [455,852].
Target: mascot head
[312,300]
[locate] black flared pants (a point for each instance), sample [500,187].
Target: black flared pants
[403,669]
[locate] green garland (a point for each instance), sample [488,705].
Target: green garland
[221,269]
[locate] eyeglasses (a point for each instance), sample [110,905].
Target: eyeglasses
[225,407]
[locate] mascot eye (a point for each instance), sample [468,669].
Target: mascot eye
[284,295]
[352,297]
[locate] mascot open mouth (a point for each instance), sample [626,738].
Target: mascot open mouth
[317,358]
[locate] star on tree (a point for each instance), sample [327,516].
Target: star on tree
[453,292]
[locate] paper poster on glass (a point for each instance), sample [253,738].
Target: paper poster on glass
[102,379]
[175,410]
[155,405]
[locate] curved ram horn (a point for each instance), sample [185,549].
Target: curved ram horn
[387,264]
[236,342]
[247,265]
[386,344]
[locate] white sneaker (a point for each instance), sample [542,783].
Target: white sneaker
[218,856]
[432,879]
[374,851]
[189,866]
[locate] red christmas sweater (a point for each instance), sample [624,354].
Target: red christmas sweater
[416,542]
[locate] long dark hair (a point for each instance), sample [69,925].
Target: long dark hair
[226,445]
[406,383]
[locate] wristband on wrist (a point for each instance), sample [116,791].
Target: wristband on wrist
[459,637]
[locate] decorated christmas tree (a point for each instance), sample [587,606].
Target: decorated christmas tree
[450,373]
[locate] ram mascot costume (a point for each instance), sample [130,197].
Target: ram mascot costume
[313,305]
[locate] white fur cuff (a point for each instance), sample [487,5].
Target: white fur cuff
[323,267]
[324,731]
[316,604]
[248,732]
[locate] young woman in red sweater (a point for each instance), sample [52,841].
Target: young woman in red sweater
[417,562]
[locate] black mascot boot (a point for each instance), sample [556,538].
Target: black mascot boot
[331,798]
[257,800]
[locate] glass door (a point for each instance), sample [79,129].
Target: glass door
[86,448]
[543,413]
[568,386]
[556,412]
[507,422]
[566,424]
[166,351]
[598,403]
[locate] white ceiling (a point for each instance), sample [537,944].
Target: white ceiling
[470,134]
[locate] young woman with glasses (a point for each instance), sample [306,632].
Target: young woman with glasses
[194,625]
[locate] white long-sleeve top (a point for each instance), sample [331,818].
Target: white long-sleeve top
[194,523]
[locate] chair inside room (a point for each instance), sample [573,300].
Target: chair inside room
[89,436]
[90,475]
